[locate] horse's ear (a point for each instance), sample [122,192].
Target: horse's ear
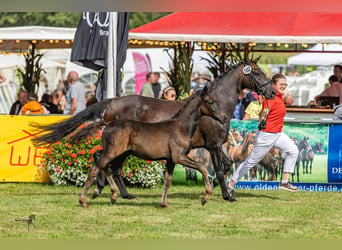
[257,59]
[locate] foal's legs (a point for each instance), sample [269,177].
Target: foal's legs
[93,171]
[185,160]
[170,166]
[113,186]
[117,162]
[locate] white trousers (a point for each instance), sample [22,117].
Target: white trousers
[263,144]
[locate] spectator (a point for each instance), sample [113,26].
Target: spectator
[33,106]
[338,72]
[244,99]
[17,106]
[90,98]
[75,97]
[253,109]
[169,93]
[48,104]
[156,87]
[2,77]
[335,90]
[56,98]
[147,89]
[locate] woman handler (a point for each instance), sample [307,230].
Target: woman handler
[270,135]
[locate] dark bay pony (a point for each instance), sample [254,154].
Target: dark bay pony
[209,133]
[168,140]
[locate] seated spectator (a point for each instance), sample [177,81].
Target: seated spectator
[253,109]
[335,90]
[47,103]
[244,99]
[338,72]
[33,106]
[17,106]
[169,93]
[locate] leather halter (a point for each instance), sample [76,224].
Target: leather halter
[247,70]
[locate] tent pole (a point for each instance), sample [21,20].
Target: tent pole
[111,55]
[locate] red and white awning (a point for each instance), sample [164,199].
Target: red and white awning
[243,27]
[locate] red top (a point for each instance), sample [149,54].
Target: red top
[275,119]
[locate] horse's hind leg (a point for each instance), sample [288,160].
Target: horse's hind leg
[93,171]
[170,166]
[185,160]
[113,186]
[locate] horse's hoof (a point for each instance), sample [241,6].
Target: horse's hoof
[164,205]
[232,199]
[83,203]
[95,194]
[112,200]
[203,201]
[129,197]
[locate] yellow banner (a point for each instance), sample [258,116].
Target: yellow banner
[20,161]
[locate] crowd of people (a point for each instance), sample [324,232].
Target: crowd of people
[69,99]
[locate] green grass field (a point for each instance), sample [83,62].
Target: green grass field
[256,215]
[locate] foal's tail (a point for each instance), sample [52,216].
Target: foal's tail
[85,132]
[61,129]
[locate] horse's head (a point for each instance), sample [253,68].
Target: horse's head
[254,78]
[209,107]
[304,143]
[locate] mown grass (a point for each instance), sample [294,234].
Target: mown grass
[256,215]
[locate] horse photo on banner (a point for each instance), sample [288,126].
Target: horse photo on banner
[313,171]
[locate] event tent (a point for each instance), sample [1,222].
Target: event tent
[43,37]
[244,27]
[316,58]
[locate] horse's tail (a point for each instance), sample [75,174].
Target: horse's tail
[60,129]
[85,132]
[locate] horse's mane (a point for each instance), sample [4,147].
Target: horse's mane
[218,80]
[186,103]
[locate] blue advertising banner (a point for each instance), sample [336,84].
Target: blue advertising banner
[335,153]
[271,185]
[318,167]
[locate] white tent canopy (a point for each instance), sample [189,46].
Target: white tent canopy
[315,58]
[20,38]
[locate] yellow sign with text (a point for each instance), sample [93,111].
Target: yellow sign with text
[20,160]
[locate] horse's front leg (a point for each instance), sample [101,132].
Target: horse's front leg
[93,171]
[185,160]
[170,166]
[113,186]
